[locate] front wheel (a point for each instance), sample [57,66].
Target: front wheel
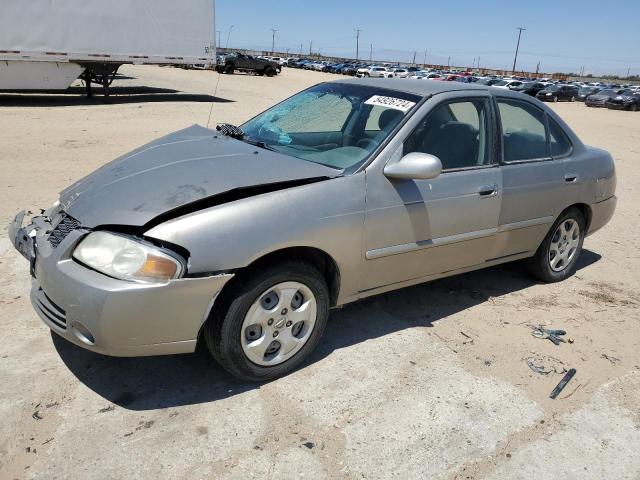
[229,69]
[556,258]
[269,322]
[269,72]
[573,99]
[555,99]
[634,108]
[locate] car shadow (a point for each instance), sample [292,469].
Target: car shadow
[75,96]
[147,383]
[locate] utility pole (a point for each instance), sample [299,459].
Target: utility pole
[449,62]
[515,59]
[219,38]
[228,36]
[538,68]
[300,49]
[371,53]
[628,72]
[310,45]
[414,58]
[273,40]
[473,65]
[478,62]
[358,30]
[425,58]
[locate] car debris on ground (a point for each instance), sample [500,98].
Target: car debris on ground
[563,383]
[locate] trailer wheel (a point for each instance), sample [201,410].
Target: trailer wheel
[229,69]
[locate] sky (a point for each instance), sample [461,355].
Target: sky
[563,35]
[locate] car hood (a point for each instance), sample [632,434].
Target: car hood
[177,170]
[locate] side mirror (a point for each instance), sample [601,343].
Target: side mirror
[415,165]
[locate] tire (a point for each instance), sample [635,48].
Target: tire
[573,99]
[555,99]
[269,72]
[224,333]
[228,69]
[633,108]
[540,265]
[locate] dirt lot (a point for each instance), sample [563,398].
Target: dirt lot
[429,382]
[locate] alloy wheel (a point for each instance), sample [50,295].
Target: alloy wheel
[564,245]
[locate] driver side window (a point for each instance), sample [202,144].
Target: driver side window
[455,132]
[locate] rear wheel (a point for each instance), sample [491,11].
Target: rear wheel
[269,322]
[556,258]
[573,99]
[634,108]
[269,72]
[555,99]
[229,69]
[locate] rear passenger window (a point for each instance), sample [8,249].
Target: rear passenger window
[560,143]
[523,130]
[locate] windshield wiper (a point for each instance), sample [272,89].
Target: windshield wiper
[258,144]
[232,131]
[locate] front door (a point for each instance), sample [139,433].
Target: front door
[419,228]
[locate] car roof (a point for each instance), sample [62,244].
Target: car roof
[417,88]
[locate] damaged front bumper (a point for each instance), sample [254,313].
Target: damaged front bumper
[104,314]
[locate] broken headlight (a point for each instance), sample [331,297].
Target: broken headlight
[126,258]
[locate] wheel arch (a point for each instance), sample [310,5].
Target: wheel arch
[586,213]
[320,259]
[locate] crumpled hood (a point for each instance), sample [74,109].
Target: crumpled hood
[176,170]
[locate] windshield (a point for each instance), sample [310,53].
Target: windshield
[586,90]
[607,93]
[335,124]
[552,88]
[501,83]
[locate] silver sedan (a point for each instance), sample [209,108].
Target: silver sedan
[245,237]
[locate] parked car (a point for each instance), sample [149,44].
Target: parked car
[584,92]
[245,238]
[247,63]
[507,84]
[555,93]
[600,99]
[401,72]
[375,72]
[349,69]
[626,100]
[529,88]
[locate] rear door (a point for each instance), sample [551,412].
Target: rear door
[538,174]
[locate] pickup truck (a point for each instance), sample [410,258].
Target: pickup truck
[247,63]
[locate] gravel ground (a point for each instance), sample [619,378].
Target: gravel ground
[427,382]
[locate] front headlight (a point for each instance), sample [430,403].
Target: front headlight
[124,258]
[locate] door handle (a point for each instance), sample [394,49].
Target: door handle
[571,177]
[486,191]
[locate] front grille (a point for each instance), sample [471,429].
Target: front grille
[64,228]
[50,310]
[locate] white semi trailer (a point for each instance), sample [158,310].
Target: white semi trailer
[47,44]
